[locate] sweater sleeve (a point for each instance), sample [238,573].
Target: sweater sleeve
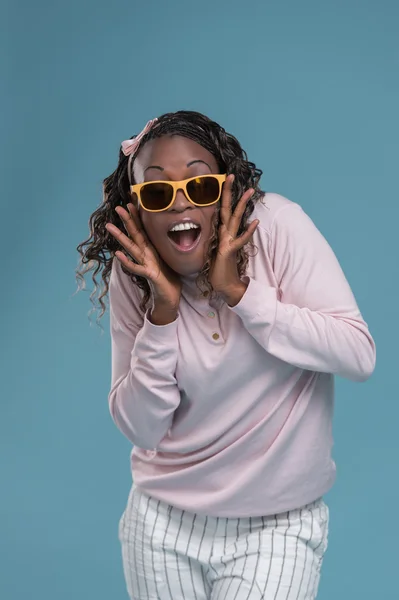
[310,319]
[144,393]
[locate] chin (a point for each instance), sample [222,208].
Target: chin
[187,269]
[184,265]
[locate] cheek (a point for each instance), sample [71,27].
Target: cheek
[151,227]
[211,216]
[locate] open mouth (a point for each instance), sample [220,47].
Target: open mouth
[185,236]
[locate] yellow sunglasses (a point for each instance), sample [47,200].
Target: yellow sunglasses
[155,196]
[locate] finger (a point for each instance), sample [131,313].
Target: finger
[225,207]
[236,217]
[127,243]
[129,220]
[132,224]
[134,268]
[246,236]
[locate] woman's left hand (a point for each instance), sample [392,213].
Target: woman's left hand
[224,275]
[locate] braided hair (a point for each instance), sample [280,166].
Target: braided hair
[97,252]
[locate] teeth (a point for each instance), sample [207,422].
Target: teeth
[183,226]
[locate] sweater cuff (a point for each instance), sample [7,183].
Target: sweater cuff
[257,301]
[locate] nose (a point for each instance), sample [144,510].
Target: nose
[181,202]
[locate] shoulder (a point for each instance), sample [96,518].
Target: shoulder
[274,209]
[124,295]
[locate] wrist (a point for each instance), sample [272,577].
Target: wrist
[161,318]
[234,294]
[162,313]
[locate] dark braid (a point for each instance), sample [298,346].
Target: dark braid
[97,252]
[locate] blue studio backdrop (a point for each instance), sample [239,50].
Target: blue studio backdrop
[311,90]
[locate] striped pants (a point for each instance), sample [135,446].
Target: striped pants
[170,554]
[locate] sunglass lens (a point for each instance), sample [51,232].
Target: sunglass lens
[203,190]
[156,196]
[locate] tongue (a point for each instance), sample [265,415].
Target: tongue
[185,238]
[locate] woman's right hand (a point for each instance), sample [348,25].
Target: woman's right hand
[165,284]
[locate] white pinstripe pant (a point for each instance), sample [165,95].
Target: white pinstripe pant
[170,554]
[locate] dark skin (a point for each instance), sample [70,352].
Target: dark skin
[177,158]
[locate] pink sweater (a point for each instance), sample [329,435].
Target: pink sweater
[230,409]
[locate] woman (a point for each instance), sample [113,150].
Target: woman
[230,316]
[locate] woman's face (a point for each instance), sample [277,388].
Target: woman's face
[173,158]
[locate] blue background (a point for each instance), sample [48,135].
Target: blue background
[311,90]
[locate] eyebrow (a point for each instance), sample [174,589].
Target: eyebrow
[188,165]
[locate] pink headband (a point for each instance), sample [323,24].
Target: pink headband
[130,146]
